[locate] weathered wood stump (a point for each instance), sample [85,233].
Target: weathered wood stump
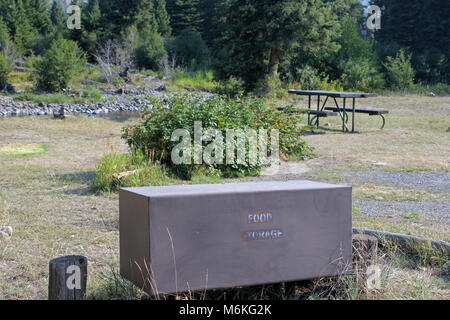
[67,278]
[289,288]
[365,248]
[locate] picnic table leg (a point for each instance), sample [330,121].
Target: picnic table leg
[309,108]
[318,109]
[344,113]
[353,115]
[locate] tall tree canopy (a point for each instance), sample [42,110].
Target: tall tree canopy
[261,32]
[423,28]
[184,14]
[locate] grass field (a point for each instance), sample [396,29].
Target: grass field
[45,197]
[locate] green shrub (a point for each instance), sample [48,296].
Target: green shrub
[231,88]
[193,81]
[308,78]
[331,85]
[5,70]
[153,134]
[122,170]
[60,65]
[360,74]
[151,52]
[400,73]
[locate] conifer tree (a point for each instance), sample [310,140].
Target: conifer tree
[184,14]
[38,15]
[162,18]
[24,34]
[57,16]
[4,35]
[261,32]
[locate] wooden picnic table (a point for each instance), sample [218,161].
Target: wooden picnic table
[342,111]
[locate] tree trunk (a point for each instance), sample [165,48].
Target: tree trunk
[274,61]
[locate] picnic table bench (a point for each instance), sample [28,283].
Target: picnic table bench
[338,110]
[310,112]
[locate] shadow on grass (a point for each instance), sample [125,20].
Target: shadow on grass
[84,178]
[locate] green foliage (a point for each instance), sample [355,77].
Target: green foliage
[4,35]
[356,63]
[5,69]
[60,65]
[331,85]
[422,28]
[38,15]
[24,33]
[162,18]
[360,74]
[151,52]
[308,78]
[184,14]
[153,134]
[122,170]
[190,49]
[195,81]
[231,88]
[261,33]
[57,16]
[400,74]
[87,96]
[144,16]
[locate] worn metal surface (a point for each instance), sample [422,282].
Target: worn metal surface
[198,237]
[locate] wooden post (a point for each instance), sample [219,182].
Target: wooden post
[67,278]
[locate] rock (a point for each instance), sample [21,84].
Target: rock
[379,198]
[445,270]
[6,232]
[431,94]
[380,164]
[10,88]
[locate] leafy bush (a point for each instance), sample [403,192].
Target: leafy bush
[5,70]
[308,78]
[153,134]
[60,65]
[360,74]
[400,73]
[331,85]
[151,52]
[194,81]
[231,88]
[121,170]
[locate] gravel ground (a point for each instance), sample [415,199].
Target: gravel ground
[438,182]
[430,181]
[424,209]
